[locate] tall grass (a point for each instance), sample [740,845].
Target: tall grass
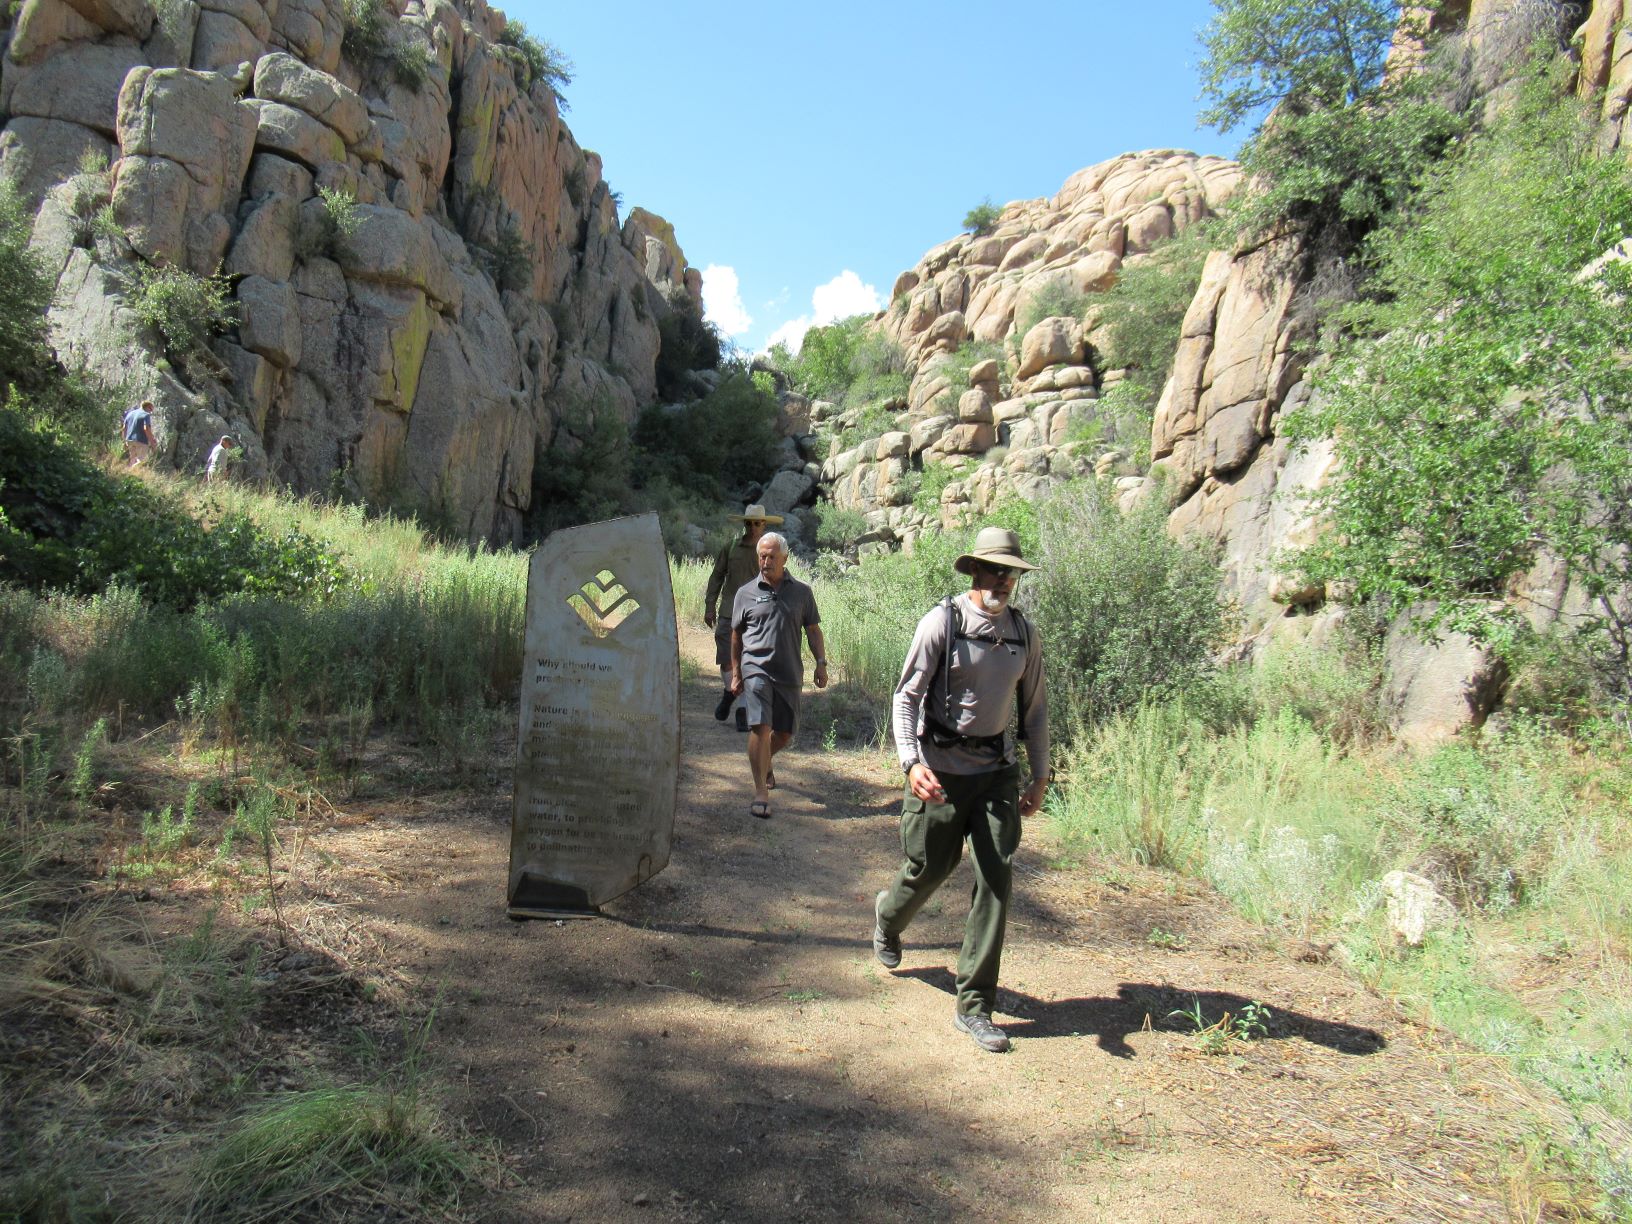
[425,636]
[378,1144]
[1525,832]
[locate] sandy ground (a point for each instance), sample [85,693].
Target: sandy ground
[721,1045]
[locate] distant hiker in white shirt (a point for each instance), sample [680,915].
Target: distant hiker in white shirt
[219,458]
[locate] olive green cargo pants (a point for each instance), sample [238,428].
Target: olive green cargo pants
[983,809]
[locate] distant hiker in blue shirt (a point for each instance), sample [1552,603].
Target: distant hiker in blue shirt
[138,433]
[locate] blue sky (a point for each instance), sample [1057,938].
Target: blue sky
[807,154]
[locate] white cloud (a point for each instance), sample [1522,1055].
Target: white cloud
[791,333]
[722,300]
[841,297]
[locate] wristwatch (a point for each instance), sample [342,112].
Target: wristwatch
[906,766]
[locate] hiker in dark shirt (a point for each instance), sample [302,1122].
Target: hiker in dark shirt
[736,564]
[767,663]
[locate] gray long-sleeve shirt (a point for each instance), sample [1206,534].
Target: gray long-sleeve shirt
[985,674]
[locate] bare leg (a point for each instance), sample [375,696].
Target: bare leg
[760,739]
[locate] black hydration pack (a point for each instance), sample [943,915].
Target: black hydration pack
[940,730]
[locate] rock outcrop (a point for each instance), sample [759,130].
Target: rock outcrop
[430,282]
[1004,392]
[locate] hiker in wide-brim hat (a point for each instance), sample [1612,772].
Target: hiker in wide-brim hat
[735,565]
[974,659]
[756,514]
[995,546]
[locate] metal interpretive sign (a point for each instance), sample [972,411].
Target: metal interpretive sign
[598,747]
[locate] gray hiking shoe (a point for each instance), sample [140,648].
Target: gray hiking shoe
[886,947]
[986,1034]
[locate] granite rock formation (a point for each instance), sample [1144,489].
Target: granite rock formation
[430,281]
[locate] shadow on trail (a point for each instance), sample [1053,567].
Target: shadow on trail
[853,942]
[1139,1006]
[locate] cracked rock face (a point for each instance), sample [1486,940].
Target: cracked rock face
[429,276]
[1016,421]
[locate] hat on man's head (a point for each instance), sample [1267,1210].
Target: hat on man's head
[995,546]
[756,514]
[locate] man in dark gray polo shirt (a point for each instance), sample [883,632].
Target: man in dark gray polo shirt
[767,665]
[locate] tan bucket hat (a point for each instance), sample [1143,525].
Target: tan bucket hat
[995,546]
[756,514]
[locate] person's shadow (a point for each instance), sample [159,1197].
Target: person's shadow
[1139,1006]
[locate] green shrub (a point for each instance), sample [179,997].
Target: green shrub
[711,445]
[541,60]
[367,29]
[365,26]
[25,294]
[935,477]
[185,308]
[583,475]
[686,342]
[322,234]
[71,526]
[509,261]
[1335,687]
[968,355]
[838,527]
[1053,299]
[1481,413]
[410,64]
[848,363]
[1128,612]
[980,219]
[1143,313]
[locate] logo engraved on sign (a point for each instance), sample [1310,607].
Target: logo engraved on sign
[603,603]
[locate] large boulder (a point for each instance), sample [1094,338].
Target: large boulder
[1435,688]
[1053,341]
[280,77]
[185,141]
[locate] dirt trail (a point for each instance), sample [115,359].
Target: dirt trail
[720,1045]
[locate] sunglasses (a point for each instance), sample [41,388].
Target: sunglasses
[995,571]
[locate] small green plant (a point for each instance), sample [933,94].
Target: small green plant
[91,161]
[410,64]
[185,308]
[934,479]
[1221,1035]
[340,209]
[509,261]
[1161,937]
[162,835]
[82,782]
[830,737]
[105,224]
[1053,299]
[980,219]
[364,24]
